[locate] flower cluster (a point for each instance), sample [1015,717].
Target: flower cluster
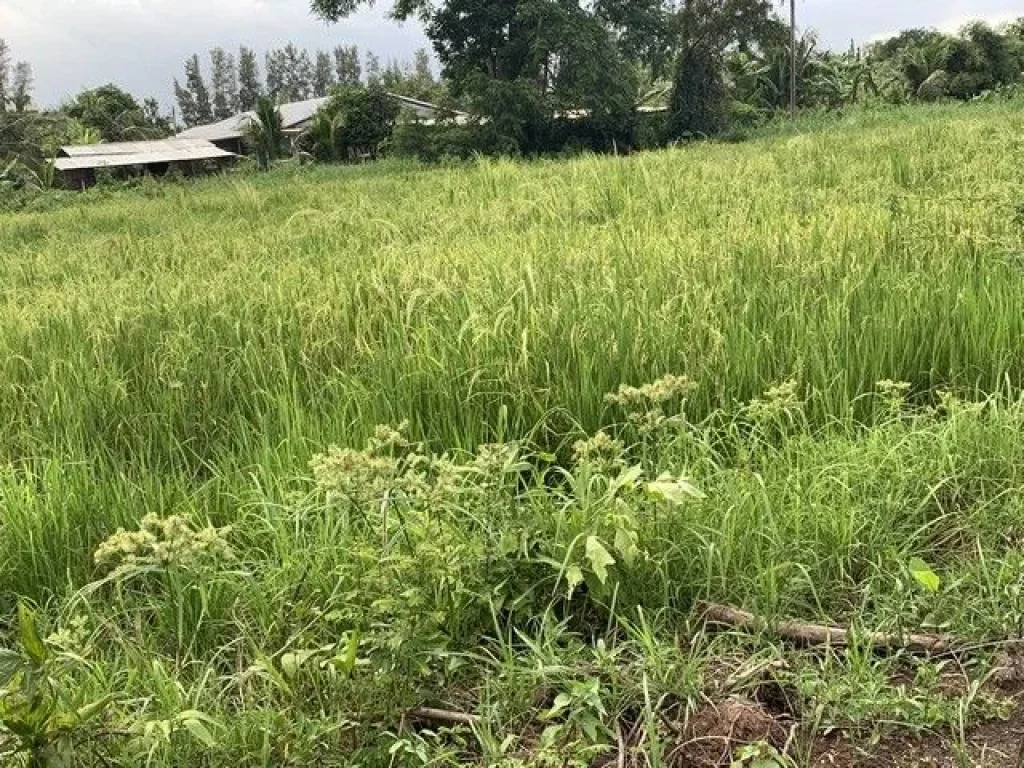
[72,636]
[893,394]
[778,401]
[391,467]
[351,474]
[661,391]
[951,405]
[164,542]
[601,450]
[387,438]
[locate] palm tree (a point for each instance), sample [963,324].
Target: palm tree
[264,133]
[321,136]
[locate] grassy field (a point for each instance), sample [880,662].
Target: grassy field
[829,322]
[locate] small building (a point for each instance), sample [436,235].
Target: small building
[229,134]
[78,165]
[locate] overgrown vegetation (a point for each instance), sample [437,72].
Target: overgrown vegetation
[783,375]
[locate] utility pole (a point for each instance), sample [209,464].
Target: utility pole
[792,58]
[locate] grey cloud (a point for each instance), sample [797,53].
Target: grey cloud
[141,44]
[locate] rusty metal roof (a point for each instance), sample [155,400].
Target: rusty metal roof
[128,153]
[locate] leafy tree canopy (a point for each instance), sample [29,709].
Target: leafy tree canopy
[116,115]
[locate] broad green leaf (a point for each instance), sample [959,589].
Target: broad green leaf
[625,545]
[924,575]
[675,490]
[600,559]
[560,704]
[266,668]
[195,714]
[346,660]
[199,732]
[31,642]
[573,578]
[92,709]
[11,663]
[292,662]
[627,479]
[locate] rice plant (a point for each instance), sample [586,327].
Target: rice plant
[783,375]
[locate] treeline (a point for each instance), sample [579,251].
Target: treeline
[534,76]
[234,82]
[542,75]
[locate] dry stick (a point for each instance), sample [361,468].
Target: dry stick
[819,634]
[443,716]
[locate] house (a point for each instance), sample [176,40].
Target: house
[78,165]
[229,134]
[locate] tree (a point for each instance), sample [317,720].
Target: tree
[223,84]
[194,99]
[323,74]
[115,115]
[276,76]
[5,73]
[21,86]
[417,81]
[549,58]
[264,133]
[346,65]
[697,106]
[527,64]
[289,74]
[373,69]
[355,122]
[151,116]
[249,88]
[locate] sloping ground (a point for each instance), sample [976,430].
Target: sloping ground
[783,376]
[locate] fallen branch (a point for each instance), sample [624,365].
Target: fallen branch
[819,634]
[443,716]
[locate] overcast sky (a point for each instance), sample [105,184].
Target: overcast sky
[140,44]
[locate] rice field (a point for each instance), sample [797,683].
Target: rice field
[236,564]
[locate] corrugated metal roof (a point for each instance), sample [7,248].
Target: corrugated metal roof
[137,153]
[231,128]
[300,111]
[135,147]
[293,117]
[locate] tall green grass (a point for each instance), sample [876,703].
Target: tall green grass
[186,349]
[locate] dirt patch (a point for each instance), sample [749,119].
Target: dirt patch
[993,745]
[712,735]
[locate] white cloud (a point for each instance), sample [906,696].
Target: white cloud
[141,44]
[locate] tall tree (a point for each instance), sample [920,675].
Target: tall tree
[299,73]
[5,73]
[21,86]
[276,76]
[194,98]
[323,74]
[347,68]
[223,84]
[289,74]
[373,69]
[698,102]
[249,88]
